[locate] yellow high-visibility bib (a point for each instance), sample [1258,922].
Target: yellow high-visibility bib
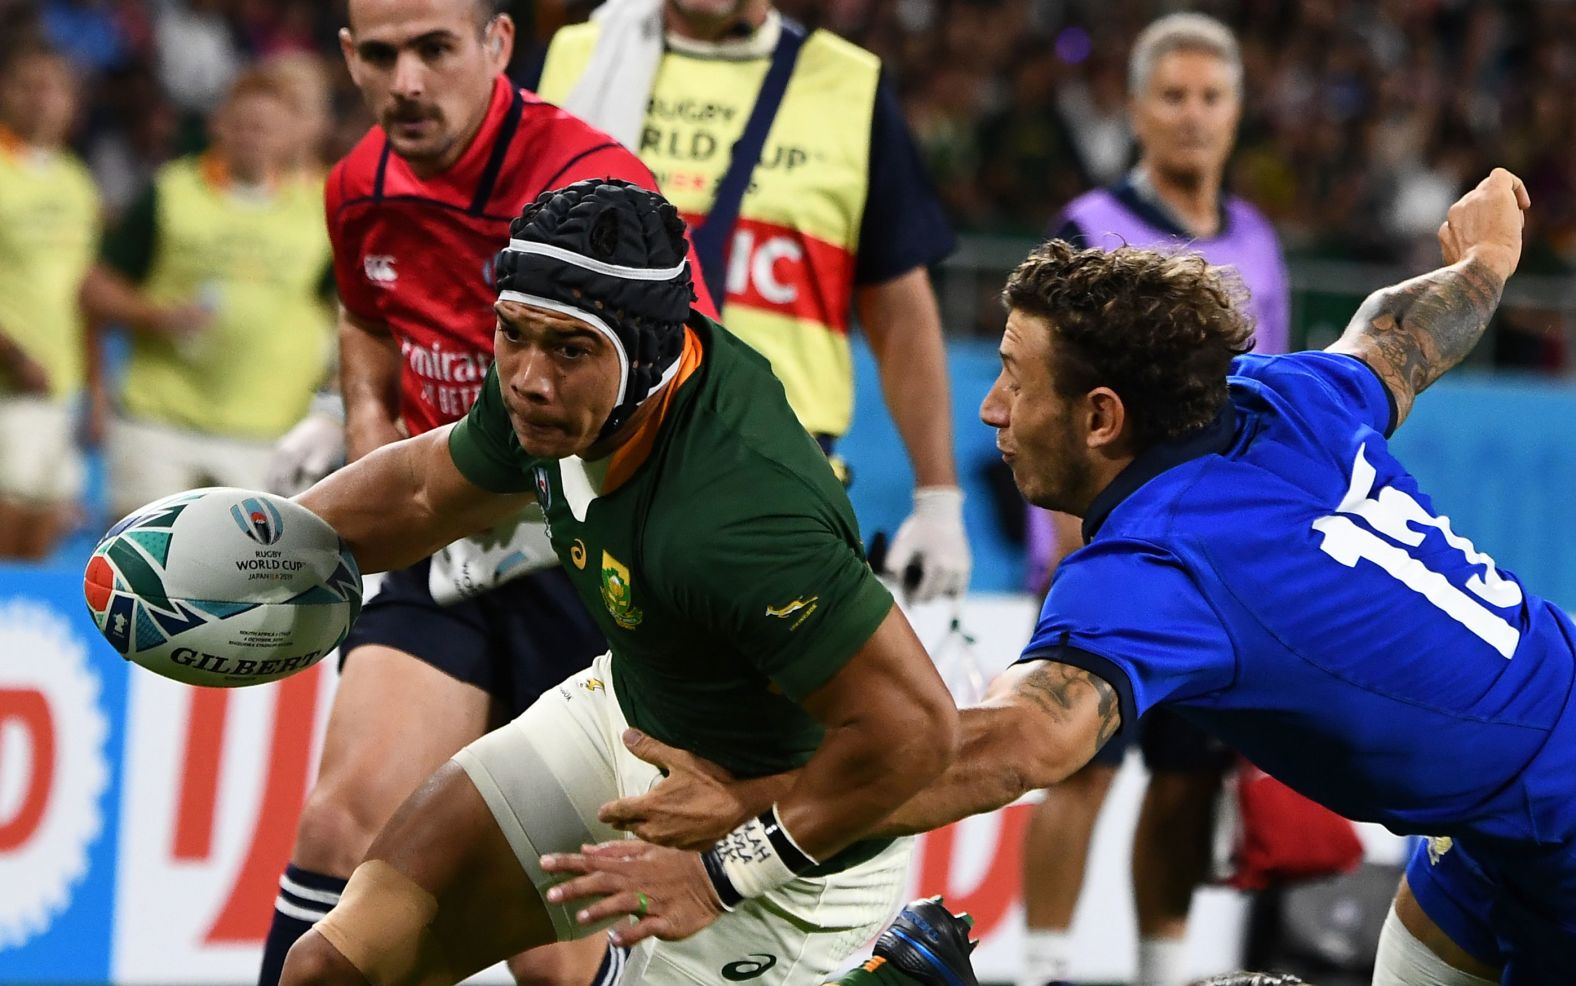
[49,230]
[259,264]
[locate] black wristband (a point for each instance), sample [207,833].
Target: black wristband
[796,859]
[726,891]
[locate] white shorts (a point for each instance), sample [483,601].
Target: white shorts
[39,461]
[148,461]
[544,776]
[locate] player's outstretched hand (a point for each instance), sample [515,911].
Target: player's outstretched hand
[1486,223]
[665,890]
[696,804]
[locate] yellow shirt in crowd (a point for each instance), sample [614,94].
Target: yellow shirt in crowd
[49,230]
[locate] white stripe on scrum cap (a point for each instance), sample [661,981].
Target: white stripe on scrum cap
[597,266]
[595,321]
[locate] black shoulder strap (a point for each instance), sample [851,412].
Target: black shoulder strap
[713,238]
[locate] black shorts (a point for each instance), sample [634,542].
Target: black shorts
[1170,744]
[514,642]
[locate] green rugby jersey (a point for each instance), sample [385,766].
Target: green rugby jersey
[726,571]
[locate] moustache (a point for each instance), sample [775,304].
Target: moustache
[411,113]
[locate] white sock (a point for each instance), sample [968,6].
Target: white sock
[1047,956]
[1160,962]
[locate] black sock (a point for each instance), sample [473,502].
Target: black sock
[304,897]
[612,967]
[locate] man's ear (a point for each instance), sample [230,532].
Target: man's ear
[347,47]
[500,40]
[1107,418]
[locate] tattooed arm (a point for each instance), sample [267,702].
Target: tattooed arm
[1040,723]
[1413,332]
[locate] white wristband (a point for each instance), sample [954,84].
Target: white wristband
[756,857]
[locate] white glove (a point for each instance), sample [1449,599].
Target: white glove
[516,547]
[932,538]
[311,450]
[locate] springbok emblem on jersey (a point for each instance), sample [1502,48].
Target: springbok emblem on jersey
[617,593]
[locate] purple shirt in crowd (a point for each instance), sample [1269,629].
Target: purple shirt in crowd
[1123,214]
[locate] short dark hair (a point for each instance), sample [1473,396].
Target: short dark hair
[489,10]
[1159,329]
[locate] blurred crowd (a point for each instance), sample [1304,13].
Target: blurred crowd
[1362,121]
[153,72]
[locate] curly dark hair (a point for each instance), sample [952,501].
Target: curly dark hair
[1159,329]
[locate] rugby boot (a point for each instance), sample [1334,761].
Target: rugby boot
[929,944]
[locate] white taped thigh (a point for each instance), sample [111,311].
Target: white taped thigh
[1405,961]
[545,775]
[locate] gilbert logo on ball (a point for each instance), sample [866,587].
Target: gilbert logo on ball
[223,587]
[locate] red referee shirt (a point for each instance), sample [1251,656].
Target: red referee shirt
[417,254]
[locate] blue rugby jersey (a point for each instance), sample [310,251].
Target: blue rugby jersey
[1279,579]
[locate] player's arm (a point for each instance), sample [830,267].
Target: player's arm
[1413,332]
[369,365]
[403,501]
[1039,723]
[891,727]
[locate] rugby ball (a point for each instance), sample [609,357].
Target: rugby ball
[223,587]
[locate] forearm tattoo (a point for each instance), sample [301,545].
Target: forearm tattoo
[1061,691]
[1412,333]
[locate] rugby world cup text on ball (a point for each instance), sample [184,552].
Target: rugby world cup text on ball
[239,668]
[269,565]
